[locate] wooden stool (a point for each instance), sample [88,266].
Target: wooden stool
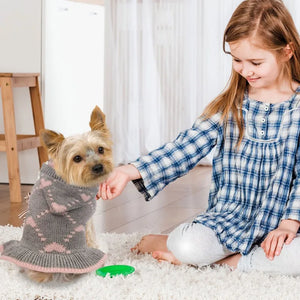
[10,142]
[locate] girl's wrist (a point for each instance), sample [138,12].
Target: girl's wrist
[290,224]
[132,172]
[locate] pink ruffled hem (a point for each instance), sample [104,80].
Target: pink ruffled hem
[53,270]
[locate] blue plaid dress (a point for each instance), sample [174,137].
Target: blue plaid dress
[253,187]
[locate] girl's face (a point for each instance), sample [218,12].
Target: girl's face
[260,67]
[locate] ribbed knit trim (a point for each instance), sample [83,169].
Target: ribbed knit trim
[21,264]
[77,262]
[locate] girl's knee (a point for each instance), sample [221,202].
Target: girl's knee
[175,238]
[181,245]
[190,245]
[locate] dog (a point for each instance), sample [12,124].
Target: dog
[58,239]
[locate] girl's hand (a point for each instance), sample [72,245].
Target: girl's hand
[275,240]
[117,181]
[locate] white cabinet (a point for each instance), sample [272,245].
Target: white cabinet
[73,68]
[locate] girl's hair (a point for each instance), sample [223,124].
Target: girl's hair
[269,22]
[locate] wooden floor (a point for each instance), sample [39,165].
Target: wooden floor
[177,203]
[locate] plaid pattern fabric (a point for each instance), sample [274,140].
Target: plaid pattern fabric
[253,187]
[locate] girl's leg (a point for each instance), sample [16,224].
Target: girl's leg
[231,261]
[193,244]
[287,263]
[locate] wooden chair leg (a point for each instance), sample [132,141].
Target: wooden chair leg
[38,117]
[11,140]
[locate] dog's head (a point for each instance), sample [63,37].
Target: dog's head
[85,159]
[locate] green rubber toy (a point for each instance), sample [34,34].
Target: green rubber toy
[115,270]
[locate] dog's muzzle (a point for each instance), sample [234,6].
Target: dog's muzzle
[97,169]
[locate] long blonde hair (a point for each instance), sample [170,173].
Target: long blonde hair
[271,23]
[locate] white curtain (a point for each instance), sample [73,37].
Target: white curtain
[163,64]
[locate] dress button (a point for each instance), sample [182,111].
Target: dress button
[266,107]
[263,120]
[262,132]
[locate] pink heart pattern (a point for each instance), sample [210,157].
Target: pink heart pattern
[29,221]
[44,183]
[85,197]
[54,247]
[58,208]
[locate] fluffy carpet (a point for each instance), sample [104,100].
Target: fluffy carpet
[151,280]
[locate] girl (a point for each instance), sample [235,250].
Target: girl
[253,215]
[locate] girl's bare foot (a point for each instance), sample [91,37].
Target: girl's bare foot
[166,256]
[231,261]
[156,244]
[150,243]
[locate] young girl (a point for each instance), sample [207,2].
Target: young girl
[253,215]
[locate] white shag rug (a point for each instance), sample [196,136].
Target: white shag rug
[151,280]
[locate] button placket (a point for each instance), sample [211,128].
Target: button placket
[266,107]
[263,120]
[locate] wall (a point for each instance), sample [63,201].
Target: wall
[20,51]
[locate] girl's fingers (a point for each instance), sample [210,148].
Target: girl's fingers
[98,195]
[268,241]
[280,243]
[272,248]
[103,191]
[273,243]
[113,186]
[108,192]
[289,239]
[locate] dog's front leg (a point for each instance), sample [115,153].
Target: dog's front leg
[90,234]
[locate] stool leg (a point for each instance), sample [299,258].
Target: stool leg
[38,118]
[11,140]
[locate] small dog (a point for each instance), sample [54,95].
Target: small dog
[58,239]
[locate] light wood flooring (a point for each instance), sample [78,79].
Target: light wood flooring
[179,202]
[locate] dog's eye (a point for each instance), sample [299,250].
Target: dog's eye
[77,158]
[101,150]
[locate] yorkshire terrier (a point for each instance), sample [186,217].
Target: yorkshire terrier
[58,239]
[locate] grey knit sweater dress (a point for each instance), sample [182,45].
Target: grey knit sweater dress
[53,238]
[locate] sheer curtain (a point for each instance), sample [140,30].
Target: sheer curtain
[163,64]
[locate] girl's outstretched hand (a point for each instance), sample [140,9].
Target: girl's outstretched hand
[275,240]
[117,181]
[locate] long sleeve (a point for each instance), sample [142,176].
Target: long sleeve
[173,160]
[292,210]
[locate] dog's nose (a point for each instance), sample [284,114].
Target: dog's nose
[97,169]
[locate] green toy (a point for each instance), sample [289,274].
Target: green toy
[115,270]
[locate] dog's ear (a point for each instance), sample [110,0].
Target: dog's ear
[51,140]
[97,121]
